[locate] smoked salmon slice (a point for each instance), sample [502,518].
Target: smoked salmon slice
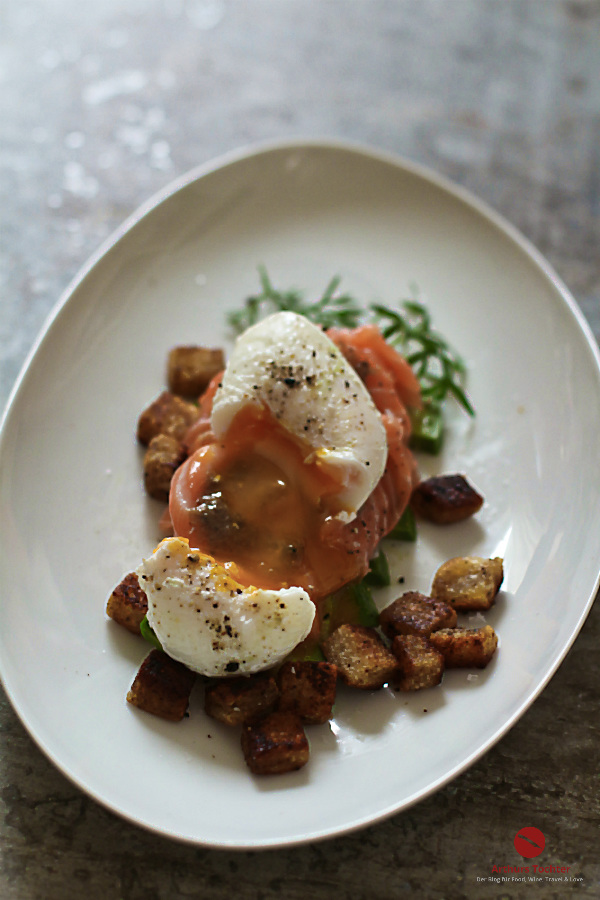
[373,358]
[336,552]
[200,433]
[394,389]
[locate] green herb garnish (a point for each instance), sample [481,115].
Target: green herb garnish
[149,634]
[307,651]
[330,310]
[427,432]
[406,527]
[439,369]
[379,571]
[352,604]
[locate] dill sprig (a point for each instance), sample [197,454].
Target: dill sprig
[439,369]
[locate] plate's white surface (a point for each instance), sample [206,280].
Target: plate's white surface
[74,517]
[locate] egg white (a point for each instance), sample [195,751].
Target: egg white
[290,366]
[205,619]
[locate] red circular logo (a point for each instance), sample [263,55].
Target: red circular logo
[529,842]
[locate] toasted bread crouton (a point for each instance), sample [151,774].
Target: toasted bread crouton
[128,604]
[237,700]
[420,665]
[308,689]
[468,583]
[362,659]
[465,647]
[190,369]
[163,456]
[414,613]
[162,687]
[275,744]
[445,499]
[167,414]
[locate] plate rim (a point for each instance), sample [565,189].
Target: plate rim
[255,149]
[519,242]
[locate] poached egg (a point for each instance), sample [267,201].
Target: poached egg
[207,620]
[296,446]
[289,366]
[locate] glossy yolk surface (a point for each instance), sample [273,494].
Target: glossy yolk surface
[260,499]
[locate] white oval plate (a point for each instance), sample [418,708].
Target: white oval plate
[74,517]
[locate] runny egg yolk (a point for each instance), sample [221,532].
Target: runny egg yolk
[261,499]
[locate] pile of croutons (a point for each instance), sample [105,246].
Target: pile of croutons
[417,639]
[163,425]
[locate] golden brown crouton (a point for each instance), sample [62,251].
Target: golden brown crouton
[445,499]
[128,604]
[414,613]
[163,456]
[190,369]
[465,647]
[468,583]
[308,689]
[362,658]
[167,414]
[275,744]
[162,687]
[420,664]
[237,700]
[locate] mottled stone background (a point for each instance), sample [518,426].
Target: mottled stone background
[102,104]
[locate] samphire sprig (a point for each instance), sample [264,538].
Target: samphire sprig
[439,369]
[329,310]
